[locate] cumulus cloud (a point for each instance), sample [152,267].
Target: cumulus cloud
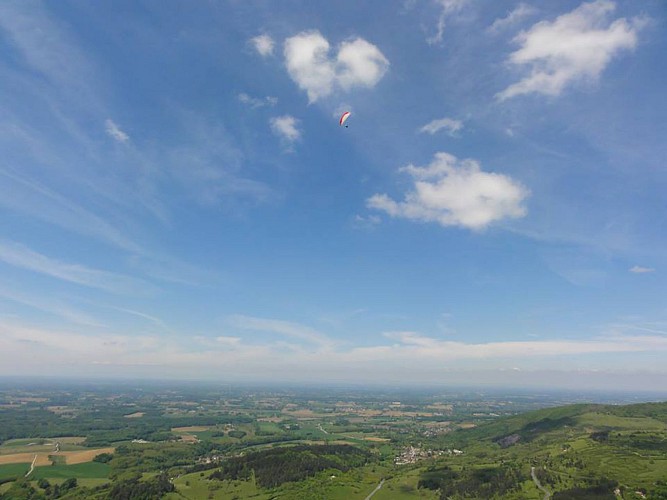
[357,63]
[641,270]
[576,47]
[285,127]
[521,12]
[450,125]
[263,45]
[114,131]
[257,102]
[448,7]
[456,192]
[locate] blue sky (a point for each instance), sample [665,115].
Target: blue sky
[179,201]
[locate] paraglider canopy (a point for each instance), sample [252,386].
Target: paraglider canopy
[343,118]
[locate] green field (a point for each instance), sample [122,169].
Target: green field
[13,470]
[87,470]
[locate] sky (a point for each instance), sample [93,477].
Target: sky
[179,201]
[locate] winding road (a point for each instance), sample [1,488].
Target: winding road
[547,493]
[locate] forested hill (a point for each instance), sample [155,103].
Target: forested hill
[582,451]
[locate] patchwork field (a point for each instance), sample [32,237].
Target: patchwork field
[36,445]
[46,458]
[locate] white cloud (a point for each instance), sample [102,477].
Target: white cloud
[286,128]
[521,12]
[357,63]
[448,7]
[452,126]
[427,347]
[114,131]
[456,192]
[576,47]
[641,270]
[256,102]
[28,349]
[263,45]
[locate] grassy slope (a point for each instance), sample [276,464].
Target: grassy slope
[13,470]
[87,470]
[554,436]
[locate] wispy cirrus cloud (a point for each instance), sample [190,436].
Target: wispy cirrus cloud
[450,125]
[357,63]
[518,14]
[575,47]
[37,200]
[115,132]
[21,256]
[55,307]
[447,9]
[257,102]
[455,192]
[286,328]
[641,270]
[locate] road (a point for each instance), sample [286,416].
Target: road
[547,494]
[377,488]
[320,427]
[32,466]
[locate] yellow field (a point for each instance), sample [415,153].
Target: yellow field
[71,457]
[25,458]
[135,415]
[189,438]
[83,456]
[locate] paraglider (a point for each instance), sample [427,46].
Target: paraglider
[343,118]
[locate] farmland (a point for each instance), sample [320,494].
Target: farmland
[202,442]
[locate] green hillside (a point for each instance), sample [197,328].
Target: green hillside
[577,451]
